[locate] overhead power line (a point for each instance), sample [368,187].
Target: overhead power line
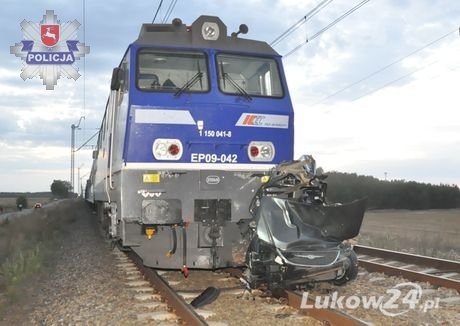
[302,21]
[158,9]
[394,81]
[170,9]
[349,12]
[86,142]
[386,67]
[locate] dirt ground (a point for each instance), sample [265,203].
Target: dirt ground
[421,231]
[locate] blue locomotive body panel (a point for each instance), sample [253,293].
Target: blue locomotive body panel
[228,122]
[192,123]
[224,138]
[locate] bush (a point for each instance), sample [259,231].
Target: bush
[21,202]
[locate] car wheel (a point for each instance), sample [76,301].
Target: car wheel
[351,272]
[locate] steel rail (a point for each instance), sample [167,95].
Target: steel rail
[181,308]
[410,275]
[442,264]
[437,280]
[325,316]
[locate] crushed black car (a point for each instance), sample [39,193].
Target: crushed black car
[297,238]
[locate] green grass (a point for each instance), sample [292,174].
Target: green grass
[20,265]
[27,242]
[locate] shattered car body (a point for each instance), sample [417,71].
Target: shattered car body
[297,238]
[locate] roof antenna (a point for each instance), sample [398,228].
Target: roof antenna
[243,29]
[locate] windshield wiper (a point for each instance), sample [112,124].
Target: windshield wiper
[197,77]
[240,90]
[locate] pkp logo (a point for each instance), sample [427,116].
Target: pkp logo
[263,120]
[253,120]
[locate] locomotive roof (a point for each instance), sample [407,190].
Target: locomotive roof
[193,36]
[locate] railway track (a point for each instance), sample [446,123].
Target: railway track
[438,272]
[174,299]
[186,314]
[327,316]
[177,304]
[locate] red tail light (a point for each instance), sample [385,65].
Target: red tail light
[173,149]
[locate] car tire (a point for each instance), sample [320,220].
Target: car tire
[351,272]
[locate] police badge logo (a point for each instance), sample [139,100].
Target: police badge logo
[50,50]
[50,34]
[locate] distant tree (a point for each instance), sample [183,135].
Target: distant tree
[21,202]
[396,194]
[60,188]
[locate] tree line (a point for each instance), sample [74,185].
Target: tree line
[394,194]
[346,187]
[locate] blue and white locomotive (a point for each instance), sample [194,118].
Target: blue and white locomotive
[194,119]
[194,166]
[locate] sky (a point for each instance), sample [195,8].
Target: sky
[376,93]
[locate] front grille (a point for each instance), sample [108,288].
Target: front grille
[312,258]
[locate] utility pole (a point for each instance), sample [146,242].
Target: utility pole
[82,192]
[78,178]
[72,153]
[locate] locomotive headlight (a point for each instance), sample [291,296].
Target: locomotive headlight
[266,151]
[160,150]
[259,151]
[210,31]
[167,149]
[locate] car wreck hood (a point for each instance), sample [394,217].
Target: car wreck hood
[286,223]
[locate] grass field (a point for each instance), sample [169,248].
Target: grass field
[427,232]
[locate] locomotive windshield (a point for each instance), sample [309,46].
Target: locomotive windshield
[163,70]
[248,76]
